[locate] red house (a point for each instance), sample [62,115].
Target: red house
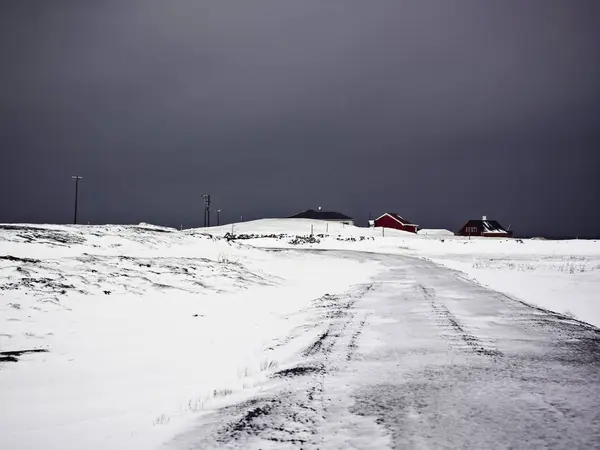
[393,220]
[484,227]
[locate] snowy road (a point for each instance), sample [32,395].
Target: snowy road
[423,358]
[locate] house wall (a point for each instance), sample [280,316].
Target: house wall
[470,230]
[411,228]
[389,222]
[473,229]
[508,234]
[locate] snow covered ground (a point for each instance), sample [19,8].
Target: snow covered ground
[148,328]
[567,281]
[144,329]
[420,357]
[562,276]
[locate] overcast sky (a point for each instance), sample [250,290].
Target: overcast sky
[441,111]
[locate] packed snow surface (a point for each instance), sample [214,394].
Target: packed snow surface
[145,329]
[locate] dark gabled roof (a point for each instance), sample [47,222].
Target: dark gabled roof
[398,217]
[487,226]
[320,215]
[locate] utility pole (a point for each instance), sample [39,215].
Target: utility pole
[218,217]
[76,178]
[206,198]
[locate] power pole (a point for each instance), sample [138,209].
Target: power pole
[76,178]
[218,217]
[206,198]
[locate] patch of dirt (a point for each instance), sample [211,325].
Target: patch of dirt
[299,371]
[17,259]
[13,356]
[8,359]
[35,283]
[54,237]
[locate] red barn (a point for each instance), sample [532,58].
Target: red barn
[393,220]
[484,227]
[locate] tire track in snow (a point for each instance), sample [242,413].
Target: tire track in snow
[293,417]
[448,321]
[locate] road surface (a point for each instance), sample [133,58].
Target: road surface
[422,358]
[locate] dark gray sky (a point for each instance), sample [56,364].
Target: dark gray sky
[439,110]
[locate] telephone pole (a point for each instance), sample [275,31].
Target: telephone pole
[206,198]
[76,178]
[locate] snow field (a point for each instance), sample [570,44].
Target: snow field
[147,327]
[145,330]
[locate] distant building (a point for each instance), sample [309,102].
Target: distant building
[330,216]
[484,227]
[393,220]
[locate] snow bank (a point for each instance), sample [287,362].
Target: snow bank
[435,232]
[294,227]
[150,226]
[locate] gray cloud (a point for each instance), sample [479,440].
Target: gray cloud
[442,111]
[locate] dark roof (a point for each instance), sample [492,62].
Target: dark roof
[398,217]
[320,215]
[487,226]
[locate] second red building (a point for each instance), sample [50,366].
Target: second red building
[393,220]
